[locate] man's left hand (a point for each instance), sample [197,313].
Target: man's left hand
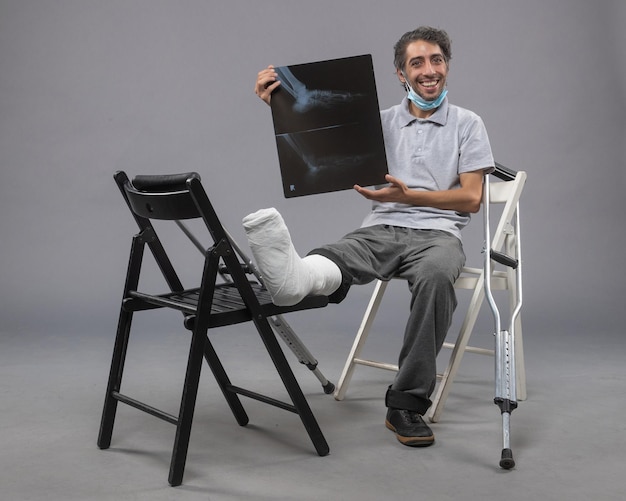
[396,191]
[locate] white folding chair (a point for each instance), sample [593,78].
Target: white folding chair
[506,193]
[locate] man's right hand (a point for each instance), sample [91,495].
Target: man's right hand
[266,82]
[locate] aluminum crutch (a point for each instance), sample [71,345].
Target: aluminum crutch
[278,323]
[505,379]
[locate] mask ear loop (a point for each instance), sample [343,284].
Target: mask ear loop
[407,87]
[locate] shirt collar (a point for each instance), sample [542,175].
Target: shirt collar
[440,116]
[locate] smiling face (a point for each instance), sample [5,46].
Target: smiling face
[426,70]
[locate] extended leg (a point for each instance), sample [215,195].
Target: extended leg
[288,277]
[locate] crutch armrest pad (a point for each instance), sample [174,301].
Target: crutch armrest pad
[504,173]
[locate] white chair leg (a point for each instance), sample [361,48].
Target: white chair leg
[359,340]
[443,388]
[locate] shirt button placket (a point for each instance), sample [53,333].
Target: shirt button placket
[420,142]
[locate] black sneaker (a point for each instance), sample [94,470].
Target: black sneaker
[409,427]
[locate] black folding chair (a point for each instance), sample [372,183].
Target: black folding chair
[214,303]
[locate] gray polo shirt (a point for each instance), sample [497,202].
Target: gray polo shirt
[429,154]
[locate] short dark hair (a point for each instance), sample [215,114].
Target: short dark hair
[433,35]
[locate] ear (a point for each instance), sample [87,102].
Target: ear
[400,76]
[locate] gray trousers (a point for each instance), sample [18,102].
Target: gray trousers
[431,261]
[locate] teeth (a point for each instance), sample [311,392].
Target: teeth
[429,84]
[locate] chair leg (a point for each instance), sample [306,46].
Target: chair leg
[359,340]
[443,388]
[121,344]
[224,383]
[187,407]
[291,384]
[115,379]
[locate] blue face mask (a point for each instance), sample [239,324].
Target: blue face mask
[421,103]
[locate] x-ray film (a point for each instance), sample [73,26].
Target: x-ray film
[327,125]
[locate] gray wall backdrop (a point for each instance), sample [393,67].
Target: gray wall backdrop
[88,87]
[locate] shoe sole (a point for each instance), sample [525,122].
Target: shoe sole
[411,441]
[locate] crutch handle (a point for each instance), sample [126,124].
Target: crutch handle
[504,259]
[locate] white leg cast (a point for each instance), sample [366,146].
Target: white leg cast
[287,276]
[325,275]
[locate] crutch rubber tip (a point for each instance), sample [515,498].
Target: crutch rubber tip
[329,388]
[506,461]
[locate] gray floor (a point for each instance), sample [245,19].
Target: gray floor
[569,437]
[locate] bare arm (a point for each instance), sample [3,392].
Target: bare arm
[266,82]
[467,198]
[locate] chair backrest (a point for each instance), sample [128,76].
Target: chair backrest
[170,197]
[507,192]
[174,198]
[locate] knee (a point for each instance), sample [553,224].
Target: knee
[434,289]
[436,276]
[433,285]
